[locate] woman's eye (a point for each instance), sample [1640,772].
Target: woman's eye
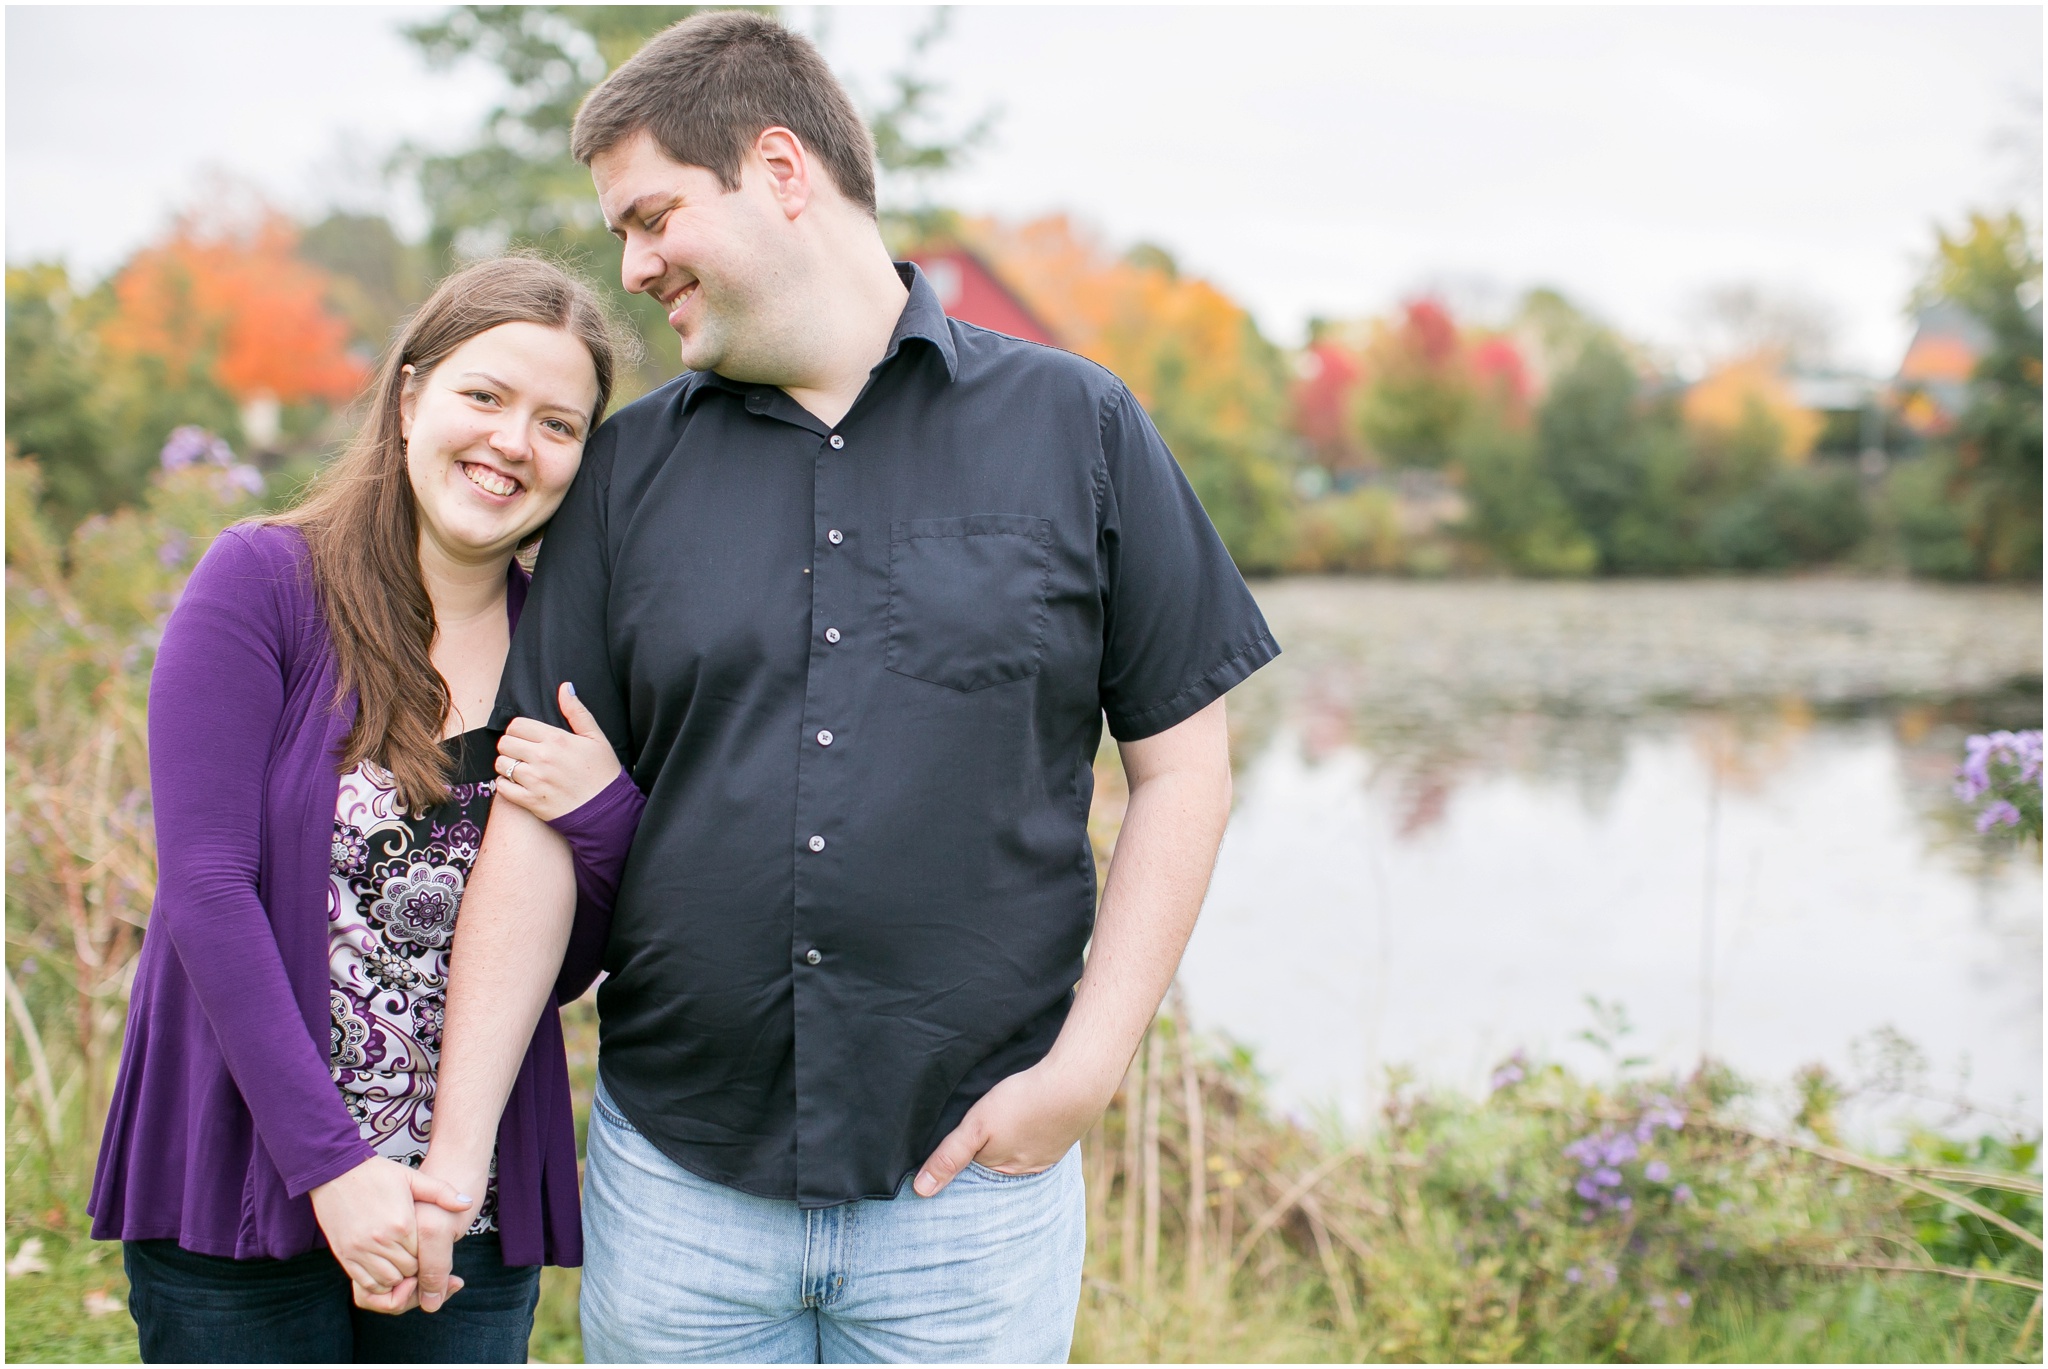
[482,396]
[558,426]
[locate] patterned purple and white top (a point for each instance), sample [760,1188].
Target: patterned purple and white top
[391,907]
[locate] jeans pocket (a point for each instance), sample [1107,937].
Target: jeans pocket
[602,1106]
[996,1176]
[967,599]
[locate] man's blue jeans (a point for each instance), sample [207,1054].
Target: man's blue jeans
[680,1269]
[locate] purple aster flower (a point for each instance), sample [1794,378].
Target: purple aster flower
[1586,1189]
[1656,1171]
[1573,1275]
[192,444]
[1684,1299]
[1510,1073]
[170,553]
[1998,813]
[2021,750]
[245,478]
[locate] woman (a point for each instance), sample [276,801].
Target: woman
[321,777]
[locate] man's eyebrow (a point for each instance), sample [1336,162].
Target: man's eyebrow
[637,209]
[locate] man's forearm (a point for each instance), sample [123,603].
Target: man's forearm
[1180,802]
[508,946]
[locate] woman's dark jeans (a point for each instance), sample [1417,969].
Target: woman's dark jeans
[203,1309]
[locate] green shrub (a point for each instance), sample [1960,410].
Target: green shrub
[1932,532]
[1800,515]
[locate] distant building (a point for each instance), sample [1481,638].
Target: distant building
[969,291]
[1933,382]
[1852,413]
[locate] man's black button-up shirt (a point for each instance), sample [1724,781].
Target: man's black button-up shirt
[861,672]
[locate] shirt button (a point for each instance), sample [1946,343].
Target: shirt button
[831,634]
[817,843]
[824,737]
[835,537]
[837,442]
[811,957]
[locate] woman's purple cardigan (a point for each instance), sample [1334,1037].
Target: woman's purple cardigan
[224,1114]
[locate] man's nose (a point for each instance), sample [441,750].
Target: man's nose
[640,268]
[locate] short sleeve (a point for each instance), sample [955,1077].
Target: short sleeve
[1180,628]
[562,632]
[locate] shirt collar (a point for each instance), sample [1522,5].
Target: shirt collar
[923,317]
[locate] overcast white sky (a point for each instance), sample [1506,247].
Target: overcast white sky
[1309,160]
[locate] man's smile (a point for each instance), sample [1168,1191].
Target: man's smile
[675,299]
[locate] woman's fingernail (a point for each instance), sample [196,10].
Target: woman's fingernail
[464,1199]
[570,685]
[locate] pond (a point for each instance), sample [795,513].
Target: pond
[1718,808]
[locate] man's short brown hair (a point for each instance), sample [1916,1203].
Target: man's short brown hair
[706,87]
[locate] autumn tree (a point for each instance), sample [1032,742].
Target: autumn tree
[235,305]
[1327,377]
[1988,473]
[1418,388]
[218,321]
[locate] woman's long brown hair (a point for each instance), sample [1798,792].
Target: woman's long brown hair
[359,520]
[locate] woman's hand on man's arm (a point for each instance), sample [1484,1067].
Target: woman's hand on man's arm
[552,773]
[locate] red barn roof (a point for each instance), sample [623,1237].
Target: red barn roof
[969,291]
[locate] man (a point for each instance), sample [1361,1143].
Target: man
[851,598]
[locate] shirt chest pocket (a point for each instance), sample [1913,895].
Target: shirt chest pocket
[967,598]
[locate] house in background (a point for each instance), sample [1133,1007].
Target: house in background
[969,291]
[1933,382]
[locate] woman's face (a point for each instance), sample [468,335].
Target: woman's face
[493,436]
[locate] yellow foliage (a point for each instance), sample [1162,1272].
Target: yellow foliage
[1726,400]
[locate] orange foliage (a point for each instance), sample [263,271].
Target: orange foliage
[1727,397]
[235,301]
[1159,331]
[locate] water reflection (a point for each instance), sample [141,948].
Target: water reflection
[1437,881]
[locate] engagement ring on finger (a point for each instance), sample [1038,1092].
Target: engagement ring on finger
[510,768]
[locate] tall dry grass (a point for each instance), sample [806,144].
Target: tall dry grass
[1458,1229]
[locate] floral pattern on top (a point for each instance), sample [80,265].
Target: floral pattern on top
[393,896]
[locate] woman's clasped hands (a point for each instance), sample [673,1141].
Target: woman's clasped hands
[367,1217]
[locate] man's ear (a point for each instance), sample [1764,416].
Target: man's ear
[408,400]
[787,165]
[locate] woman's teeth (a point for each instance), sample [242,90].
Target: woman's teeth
[488,480]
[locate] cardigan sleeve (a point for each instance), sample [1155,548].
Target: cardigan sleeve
[216,701]
[599,833]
